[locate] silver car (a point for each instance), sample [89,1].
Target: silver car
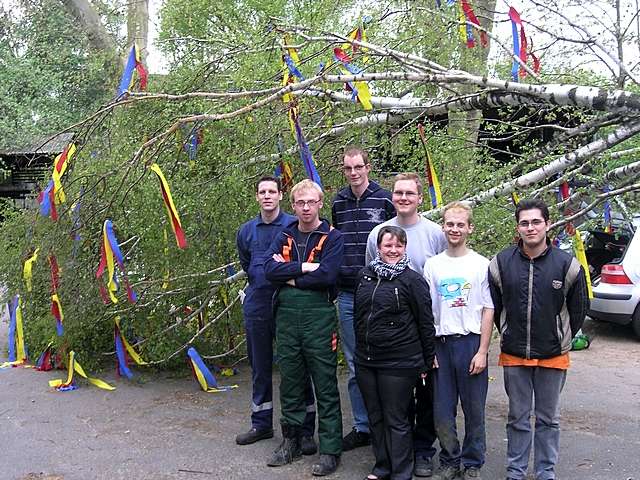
[616,290]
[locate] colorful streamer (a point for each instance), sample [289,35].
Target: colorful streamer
[55,273]
[194,140]
[110,251]
[519,45]
[206,379]
[287,77]
[46,360]
[284,172]
[60,165]
[47,202]
[17,349]
[432,177]
[578,248]
[606,212]
[360,89]
[172,213]
[305,152]
[470,17]
[283,169]
[69,384]
[56,311]
[124,351]
[134,63]
[27,269]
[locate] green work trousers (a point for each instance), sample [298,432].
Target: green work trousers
[306,326]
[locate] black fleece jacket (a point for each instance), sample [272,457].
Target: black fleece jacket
[393,321]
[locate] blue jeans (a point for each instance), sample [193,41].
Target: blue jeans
[452,381]
[521,385]
[348,337]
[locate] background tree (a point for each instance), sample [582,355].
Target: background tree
[224,86]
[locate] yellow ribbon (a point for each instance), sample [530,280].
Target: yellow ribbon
[170,208]
[74,366]
[60,197]
[203,382]
[434,179]
[462,23]
[132,353]
[112,287]
[578,247]
[20,350]
[27,269]
[286,75]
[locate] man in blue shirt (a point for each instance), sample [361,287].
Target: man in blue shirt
[253,240]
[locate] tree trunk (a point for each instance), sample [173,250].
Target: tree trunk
[89,19]
[138,25]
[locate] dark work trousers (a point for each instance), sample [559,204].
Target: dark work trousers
[306,339]
[452,381]
[424,430]
[388,398]
[260,331]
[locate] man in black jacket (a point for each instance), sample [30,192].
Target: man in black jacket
[540,298]
[355,210]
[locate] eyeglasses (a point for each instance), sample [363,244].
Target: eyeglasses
[303,203]
[400,194]
[536,222]
[357,168]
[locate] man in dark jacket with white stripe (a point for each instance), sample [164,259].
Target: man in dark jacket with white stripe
[355,211]
[540,298]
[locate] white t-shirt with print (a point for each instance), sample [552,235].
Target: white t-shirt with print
[459,288]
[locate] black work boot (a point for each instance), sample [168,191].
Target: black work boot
[327,464]
[308,445]
[289,450]
[254,435]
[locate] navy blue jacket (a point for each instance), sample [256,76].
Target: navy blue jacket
[253,240]
[355,218]
[329,257]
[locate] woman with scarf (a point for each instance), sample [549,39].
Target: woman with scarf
[394,346]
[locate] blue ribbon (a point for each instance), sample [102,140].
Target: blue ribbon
[45,206]
[516,51]
[122,358]
[293,69]
[607,207]
[12,329]
[305,155]
[127,74]
[199,364]
[113,242]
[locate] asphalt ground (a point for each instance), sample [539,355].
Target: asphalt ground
[160,427]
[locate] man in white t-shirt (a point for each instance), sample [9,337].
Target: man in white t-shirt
[424,240]
[463,317]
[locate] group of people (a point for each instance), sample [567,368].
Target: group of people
[415,312]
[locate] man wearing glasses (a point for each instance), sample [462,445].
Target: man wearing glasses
[303,261]
[355,210]
[425,239]
[253,240]
[540,298]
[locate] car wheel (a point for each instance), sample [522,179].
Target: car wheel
[635,321]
